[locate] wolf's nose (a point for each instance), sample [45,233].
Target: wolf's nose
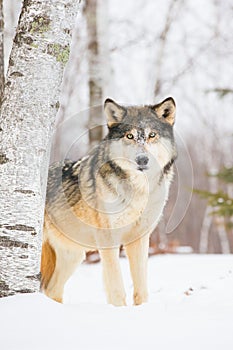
[142,160]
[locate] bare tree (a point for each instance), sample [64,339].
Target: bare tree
[2,79]
[95,82]
[209,219]
[39,54]
[170,17]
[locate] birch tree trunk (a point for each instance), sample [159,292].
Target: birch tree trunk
[2,79]
[40,52]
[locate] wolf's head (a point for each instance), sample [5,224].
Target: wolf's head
[141,137]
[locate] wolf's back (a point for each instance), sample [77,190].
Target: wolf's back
[63,183]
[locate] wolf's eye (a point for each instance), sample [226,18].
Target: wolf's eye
[152,134]
[129,136]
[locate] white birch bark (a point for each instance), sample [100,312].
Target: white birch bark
[2,79]
[40,51]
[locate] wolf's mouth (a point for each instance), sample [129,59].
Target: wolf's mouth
[142,168]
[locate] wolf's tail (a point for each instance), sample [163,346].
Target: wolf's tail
[48,263]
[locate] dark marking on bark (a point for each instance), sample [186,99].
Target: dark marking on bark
[26,192]
[39,25]
[34,277]
[16,74]
[27,3]
[3,158]
[5,289]
[18,39]
[69,5]
[28,40]
[11,62]
[18,227]
[56,105]
[67,31]
[23,256]
[4,294]
[7,242]
[24,291]
[21,37]
[4,285]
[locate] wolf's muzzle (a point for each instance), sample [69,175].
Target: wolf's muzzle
[142,161]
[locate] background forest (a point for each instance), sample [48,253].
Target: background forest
[141,52]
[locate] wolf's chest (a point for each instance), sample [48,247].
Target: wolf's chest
[138,212]
[115,219]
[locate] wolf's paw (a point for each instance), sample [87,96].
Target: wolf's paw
[117,300]
[140,298]
[119,303]
[58,299]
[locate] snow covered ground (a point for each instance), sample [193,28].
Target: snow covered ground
[190,307]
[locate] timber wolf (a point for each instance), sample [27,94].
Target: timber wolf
[114,196]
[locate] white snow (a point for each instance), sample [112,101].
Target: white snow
[190,307]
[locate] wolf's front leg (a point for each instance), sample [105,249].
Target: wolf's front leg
[112,276]
[137,253]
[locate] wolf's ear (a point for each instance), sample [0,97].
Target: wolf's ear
[166,109]
[114,112]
